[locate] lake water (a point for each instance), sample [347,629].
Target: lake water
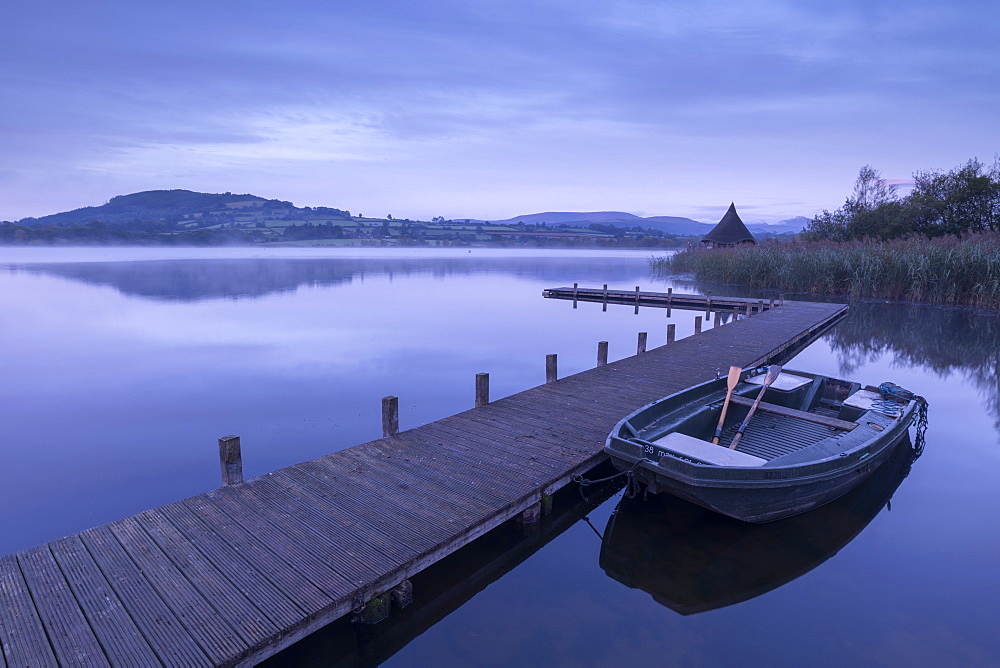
[122,367]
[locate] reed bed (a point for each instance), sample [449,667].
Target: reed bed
[945,270]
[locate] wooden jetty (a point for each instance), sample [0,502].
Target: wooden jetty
[667,300]
[234,575]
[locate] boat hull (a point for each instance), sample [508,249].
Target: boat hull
[760,501]
[782,487]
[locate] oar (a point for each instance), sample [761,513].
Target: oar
[772,375]
[734,378]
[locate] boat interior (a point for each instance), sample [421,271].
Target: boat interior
[798,410]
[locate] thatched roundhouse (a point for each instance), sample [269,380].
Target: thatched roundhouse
[729,232]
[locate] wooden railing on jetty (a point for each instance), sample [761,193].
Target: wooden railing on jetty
[232,576]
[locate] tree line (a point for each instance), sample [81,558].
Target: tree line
[960,201]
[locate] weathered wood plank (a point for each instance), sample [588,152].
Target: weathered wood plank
[201,621]
[310,591]
[474,467]
[72,638]
[449,500]
[257,586]
[123,641]
[158,623]
[843,425]
[22,637]
[348,499]
[332,570]
[230,604]
[409,454]
[492,447]
[377,539]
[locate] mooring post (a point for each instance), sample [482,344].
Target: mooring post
[390,416]
[546,504]
[575,289]
[637,300]
[748,309]
[708,305]
[697,324]
[482,389]
[402,594]
[770,306]
[781,299]
[602,353]
[670,298]
[718,318]
[551,370]
[531,514]
[230,460]
[760,306]
[605,297]
[641,347]
[671,331]
[376,609]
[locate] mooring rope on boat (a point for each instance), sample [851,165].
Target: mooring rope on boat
[632,486]
[591,524]
[891,391]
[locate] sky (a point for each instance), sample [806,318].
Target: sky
[491,109]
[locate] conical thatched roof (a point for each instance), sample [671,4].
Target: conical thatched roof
[730,230]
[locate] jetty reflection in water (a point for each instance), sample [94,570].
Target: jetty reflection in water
[693,560]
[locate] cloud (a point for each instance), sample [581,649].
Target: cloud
[629,105]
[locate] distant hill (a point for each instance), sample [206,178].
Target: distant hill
[677,225]
[184,208]
[669,224]
[568,217]
[674,225]
[154,206]
[796,224]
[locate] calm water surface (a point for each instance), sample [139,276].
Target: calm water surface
[122,367]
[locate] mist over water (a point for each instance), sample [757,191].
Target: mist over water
[123,366]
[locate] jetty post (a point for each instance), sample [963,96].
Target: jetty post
[482,389]
[390,416]
[230,460]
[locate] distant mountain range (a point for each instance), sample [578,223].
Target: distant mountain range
[185,209]
[670,224]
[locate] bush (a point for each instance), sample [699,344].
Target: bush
[944,270]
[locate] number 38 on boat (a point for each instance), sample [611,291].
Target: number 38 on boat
[766,443]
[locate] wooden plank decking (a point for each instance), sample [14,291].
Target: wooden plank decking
[231,576]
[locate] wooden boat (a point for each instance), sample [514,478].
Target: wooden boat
[811,440]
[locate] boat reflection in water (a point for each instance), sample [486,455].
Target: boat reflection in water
[692,560]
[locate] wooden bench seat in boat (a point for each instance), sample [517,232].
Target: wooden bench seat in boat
[843,425]
[703,451]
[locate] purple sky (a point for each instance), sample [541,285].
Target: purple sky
[491,109]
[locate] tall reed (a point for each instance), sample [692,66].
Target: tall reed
[945,270]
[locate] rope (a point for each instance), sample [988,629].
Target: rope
[631,484]
[587,520]
[891,391]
